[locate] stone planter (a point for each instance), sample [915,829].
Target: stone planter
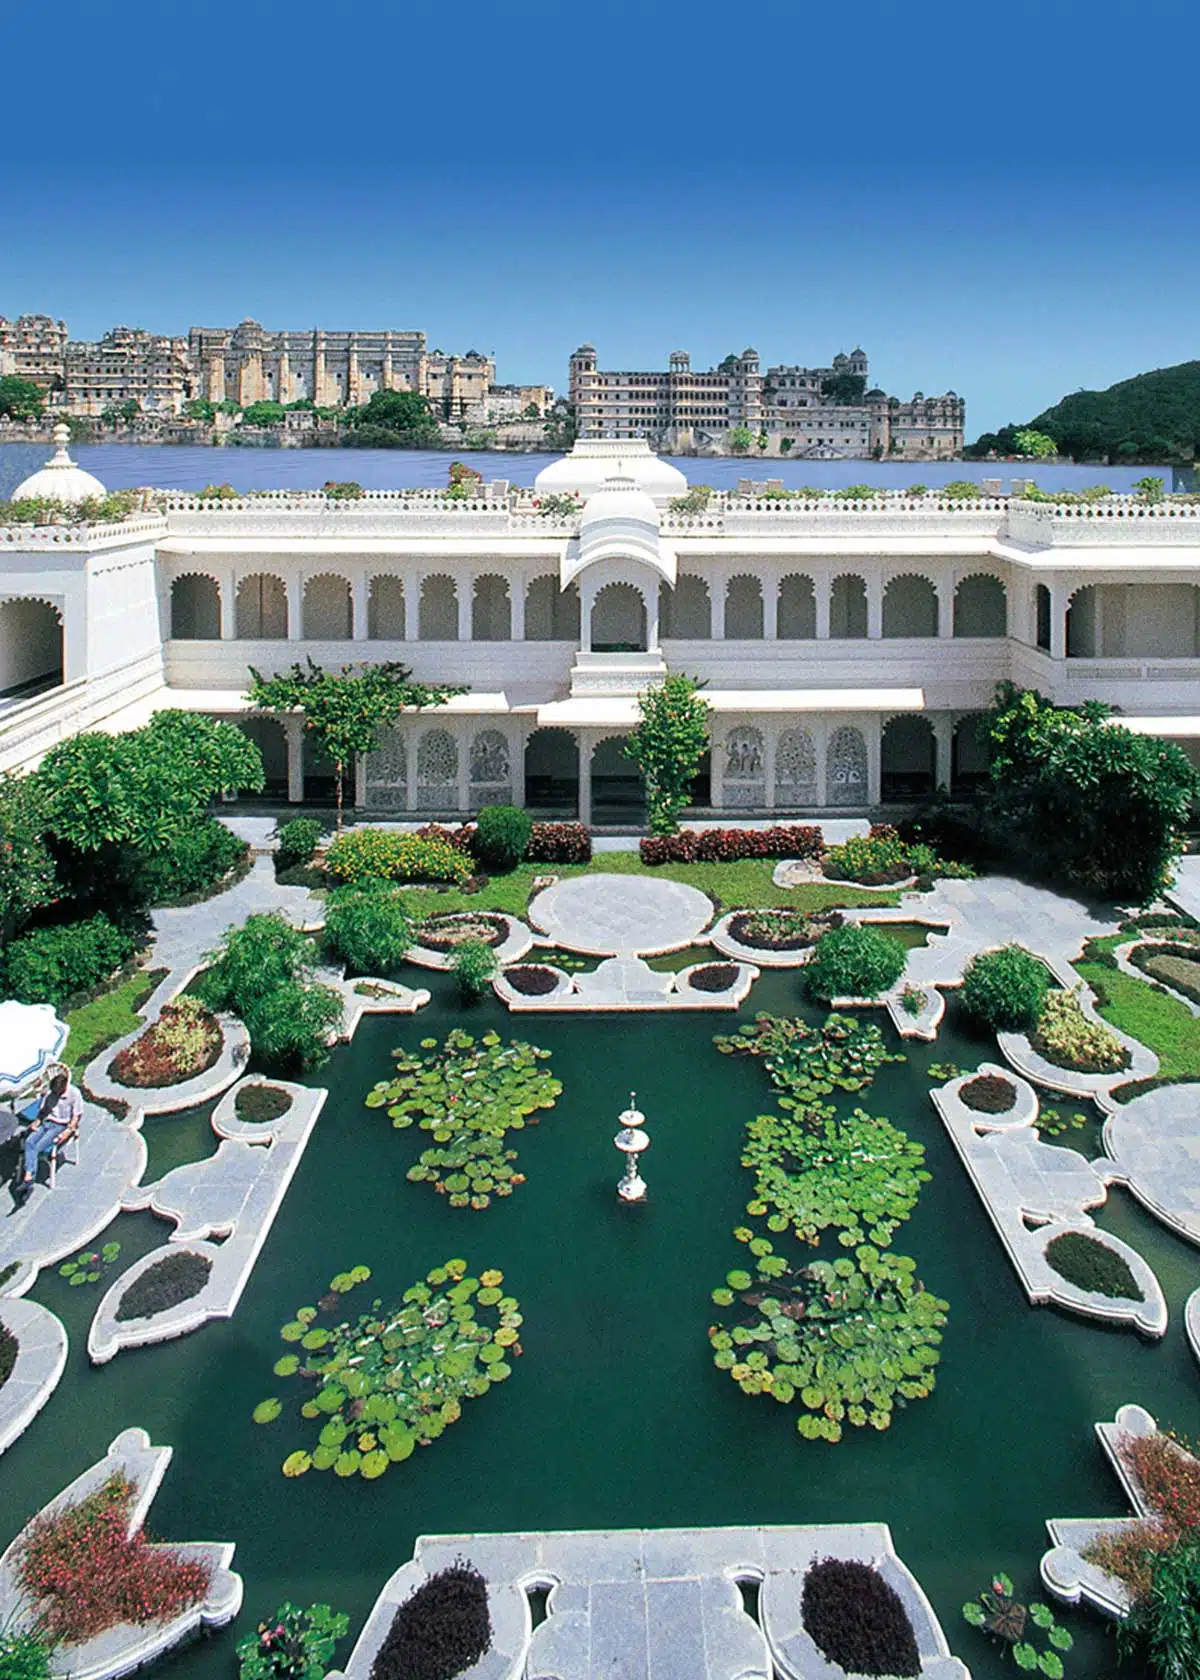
[517,942]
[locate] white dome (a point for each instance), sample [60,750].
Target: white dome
[592,460]
[60,480]
[619,497]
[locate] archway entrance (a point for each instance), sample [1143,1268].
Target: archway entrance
[268,736]
[31,648]
[552,773]
[618,792]
[619,620]
[908,765]
[968,757]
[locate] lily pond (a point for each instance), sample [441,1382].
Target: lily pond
[613,1415]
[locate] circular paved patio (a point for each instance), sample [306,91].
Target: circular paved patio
[621,915]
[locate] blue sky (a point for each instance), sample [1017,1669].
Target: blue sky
[1002,203]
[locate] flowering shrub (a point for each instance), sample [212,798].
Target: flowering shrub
[565,842]
[87,1573]
[874,859]
[1169,1477]
[293,1645]
[345,490]
[395,857]
[564,506]
[184,1041]
[728,845]
[1066,1037]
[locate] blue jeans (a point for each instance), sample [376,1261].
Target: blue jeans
[40,1142]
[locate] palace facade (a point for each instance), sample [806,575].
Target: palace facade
[847,648]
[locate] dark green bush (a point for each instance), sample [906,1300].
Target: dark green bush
[176,1277]
[258,1104]
[293,1026]
[1005,989]
[263,974]
[197,858]
[853,961]
[367,926]
[9,1348]
[53,964]
[473,965]
[501,838]
[1089,1264]
[297,842]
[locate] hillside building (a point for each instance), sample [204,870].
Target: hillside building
[32,347]
[127,364]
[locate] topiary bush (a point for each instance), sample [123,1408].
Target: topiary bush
[1092,1265]
[196,860]
[367,926]
[174,1278]
[854,962]
[441,1631]
[395,857]
[502,834]
[297,842]
[53,964]
[1005,989]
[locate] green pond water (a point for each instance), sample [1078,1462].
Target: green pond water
[615,1415]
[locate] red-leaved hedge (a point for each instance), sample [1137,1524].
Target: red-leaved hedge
[726,845]
[549,842]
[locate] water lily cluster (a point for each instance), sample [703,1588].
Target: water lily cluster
[396,1377]
[852,1338]
[469,1093]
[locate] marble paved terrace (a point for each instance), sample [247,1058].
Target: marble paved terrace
[621,915]
[183,936]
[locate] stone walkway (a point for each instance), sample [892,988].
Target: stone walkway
[182,937]
[1154,1142]
[1184,891]
[55,1223]
[621,915]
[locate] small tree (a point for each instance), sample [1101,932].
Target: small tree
[346,709]
[668,745]
[740,439]
[20,399]
[1032,445]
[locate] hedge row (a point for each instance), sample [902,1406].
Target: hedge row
[727,845]
[55,964]
[549,842]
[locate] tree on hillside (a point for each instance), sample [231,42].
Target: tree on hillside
[394,419]
[1033,445]
[346,709]
[740,439]
[668,745]
[20,399]
[845,389]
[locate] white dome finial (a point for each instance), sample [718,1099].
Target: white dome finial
[60,480]
[62,437]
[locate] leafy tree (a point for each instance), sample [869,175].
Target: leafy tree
[1149,489]
[404,415]
[667,744]
[740,439]
[302,405]
[199,408]
[20,399]
[845,389]
[1089,800]
[562,426]
[27,879]
[263,414]
[1034,445]
[346,709]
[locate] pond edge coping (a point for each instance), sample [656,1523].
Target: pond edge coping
[759,956]
[41,1359]
[516,944]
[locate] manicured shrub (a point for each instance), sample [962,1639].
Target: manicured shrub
[54,964]
[87,1573]
[531,979]
[989,1094]
[473,965]
[713,977]
[565,842]
[174,1278]
[185,1041]
[730,845]
[367,926]
[443,1629]
[857,1619]
[1005,989]
[1089,1264]
[297,842]
[258,1104]
[853,961]
[263,974]
[395,857]
[1065,1036]
[502,835]
[197,859]
[9,1348]
[1175,965]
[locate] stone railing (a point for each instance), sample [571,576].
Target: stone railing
[81,536]
[1121,522]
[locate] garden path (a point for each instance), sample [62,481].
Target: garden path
[1155,1143]
[55,1223]
[1184,891]
[185,935]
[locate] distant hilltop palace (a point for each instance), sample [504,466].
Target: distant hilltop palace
[247,364]
[818,414]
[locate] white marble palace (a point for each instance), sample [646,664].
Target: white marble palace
[846,647]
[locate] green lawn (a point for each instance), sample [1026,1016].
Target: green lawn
[108,1017]
[734,886]
[1161,1022]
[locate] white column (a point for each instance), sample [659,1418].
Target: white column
[358,607]
[464,760]
[516,750]
[770,595]
[587,598]
[295,606]
[943,733]
[718,606]
[945,610]
[1059,601]
[651,603]
[516,607]
[772,734]
[293,730]
[410,769]
[465,586]
[585,778]
[228,587]
[874,608]
[412,606]
[823,595]
[874,734]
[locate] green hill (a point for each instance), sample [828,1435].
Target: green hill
[1153,417]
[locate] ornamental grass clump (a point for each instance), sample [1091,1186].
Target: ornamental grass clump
[1005,989]
[1067,1037]
[854,961]
[469,1094]
[24,1652]
[264,973]
[441,1631]
[397,1377]
[86,1573]
[857,1619]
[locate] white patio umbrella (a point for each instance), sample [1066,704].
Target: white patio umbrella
[31,1037]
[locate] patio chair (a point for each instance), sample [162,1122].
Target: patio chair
[59,1153]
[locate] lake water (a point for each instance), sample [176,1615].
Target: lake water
[182,467]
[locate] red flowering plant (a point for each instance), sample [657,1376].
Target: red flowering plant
[86,1572]
[1168,1474]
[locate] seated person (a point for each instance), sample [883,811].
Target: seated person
[55,1120]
